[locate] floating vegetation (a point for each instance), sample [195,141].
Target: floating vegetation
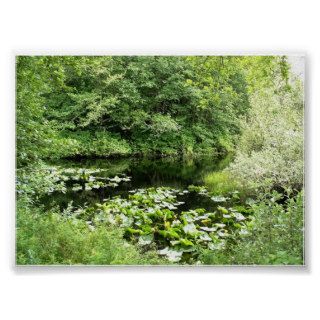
[80,179]
[219,199]
[151,219]
[156,218]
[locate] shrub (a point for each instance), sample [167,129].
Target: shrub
[276,235]
[86,143]
[270,150]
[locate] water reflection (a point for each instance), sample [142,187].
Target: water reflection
[145,173]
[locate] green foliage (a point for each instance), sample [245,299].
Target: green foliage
[151,217]
[275,234]
[103,106]
[32,185]
[51,238]
[158,105]
[265,72]
[90,106]
[32,129]
[86,143]
[221,182]
[270,151]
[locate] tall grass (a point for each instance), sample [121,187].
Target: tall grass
[48,238]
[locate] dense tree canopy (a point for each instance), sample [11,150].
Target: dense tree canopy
[151,105]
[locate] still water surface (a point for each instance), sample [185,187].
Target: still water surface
[144,173]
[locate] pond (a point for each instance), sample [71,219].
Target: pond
[143,173]
[161,202]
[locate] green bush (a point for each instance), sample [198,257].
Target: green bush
[48,238]
[86,143]
[275,237]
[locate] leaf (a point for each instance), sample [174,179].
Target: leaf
[206,221]
[187,217]
[172,255]
[112,184]
[208,229]
[171,207]
[145,239]
[243,232]
[126,221]
[134,231]
[223,210]
[239,216]
[218,199]
[222,234]
[186,242]
[115,179]
[216,246]
[77,187]
[205,237]
[169,233]
[175,223]
[190,229]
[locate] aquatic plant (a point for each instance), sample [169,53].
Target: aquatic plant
[151,216]
[47,180]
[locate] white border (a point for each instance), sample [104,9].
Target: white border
[170,27]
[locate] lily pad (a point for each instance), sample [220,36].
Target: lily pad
[239,216]
[205,237]
[115,179]
[145,239]
[220,225]
[216,246]
[219,199]
[77,187]
[175,223]
[172,255]
[190,229]
[208,229]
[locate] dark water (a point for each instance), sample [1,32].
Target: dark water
[144,173]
